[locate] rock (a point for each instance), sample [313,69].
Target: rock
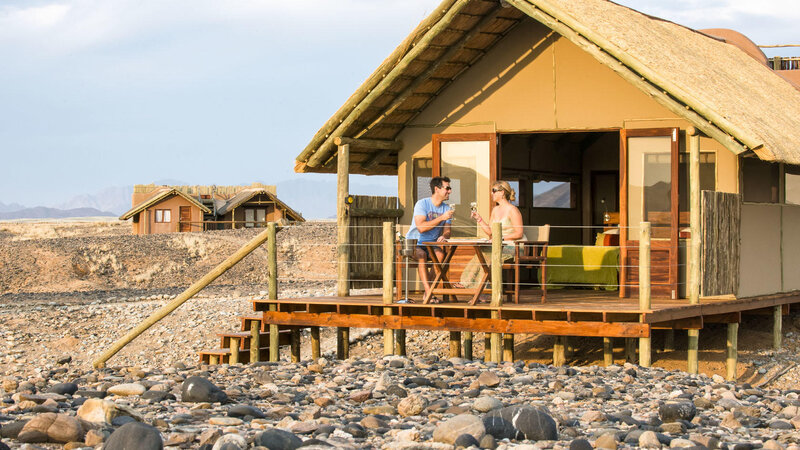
[673,428]
[703,403]
[51,427]
[411,405]
[451,429]
[781,425]
[323,402]
[230,441]
[98,410]
[673,411]
[488,441]
[225,421]
[649,439]
[127,389]
[593,416]
[410,435]
[518,422]
[465,441]
[177,439]
[275,439]
[772,444]
[730,421]
[134,435]
[486,404]
[385,410]
[95,437]
[372,422]
[157,396]
[209,437]
[384,381]
[580,444]
[63,388]
[396,391]
[360,396]
[198,390]
[11,430]
[681,443]
[245,410]
[64,360]
[488,379]
[397,364]
[607,440]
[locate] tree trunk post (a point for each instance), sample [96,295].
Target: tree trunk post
[315,350]
[272,290]
[455,344]
[508,347]
[342,343]
[343,221]
[255,341]
[295,339]
[497,286]
[234,347]
[777,327]
[644,289]
[559,355]
[608,351]
[400,342]
[692,365]
[630,350]
[388,281]
[468,345]
[732,345]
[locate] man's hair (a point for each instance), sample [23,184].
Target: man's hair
[437,182]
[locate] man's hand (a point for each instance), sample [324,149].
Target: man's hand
[447,215]
[441,239]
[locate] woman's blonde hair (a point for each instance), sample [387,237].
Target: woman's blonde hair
[509,193]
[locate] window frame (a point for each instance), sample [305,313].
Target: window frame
[162,216]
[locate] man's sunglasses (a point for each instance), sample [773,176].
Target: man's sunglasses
[446,188]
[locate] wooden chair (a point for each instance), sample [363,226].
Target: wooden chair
[531,253]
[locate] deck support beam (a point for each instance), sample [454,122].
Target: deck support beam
[342,343]
[559,355]
[644,289]
[295,344]
[608,351]
[497,286]
[693,286]
[630,350]
[777,327]
[455,344]
[732,345]
[487,347]
[213,360]
[255,341]
[234,346]
[388,279]
[468,345]
[692,350]
[342,222]
[400,342]
[272,289]
[315,349]
[508,347]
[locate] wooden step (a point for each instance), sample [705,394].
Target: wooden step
[284,338]
[224,355]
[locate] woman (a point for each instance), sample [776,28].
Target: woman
[511,222]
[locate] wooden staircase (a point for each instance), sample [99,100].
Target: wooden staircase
[235,346]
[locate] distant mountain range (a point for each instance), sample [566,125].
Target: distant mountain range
[314,199]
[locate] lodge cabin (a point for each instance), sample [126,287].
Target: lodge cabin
[590,110]
[169,209]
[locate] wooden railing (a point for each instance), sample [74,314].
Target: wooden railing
[785,63]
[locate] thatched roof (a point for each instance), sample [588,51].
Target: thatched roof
[713,85]
[244,196]
[158,198]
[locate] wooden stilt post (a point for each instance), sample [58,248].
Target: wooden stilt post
[255,341]
[559,357]
[315,350]
[732,351]
[487,347]
[388,279]
[468,345]
[272,289]
[400,342]
[693,276]
[455,344]
[644,289]
[508,347]
[213,359]
[234,346]
[497,286]
[669,340]
[630,350]
[777,327]
[342,343]
[608,351]
[343,221]
[295,340]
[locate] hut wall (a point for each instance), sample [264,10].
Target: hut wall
[791,247]
[173,204]
[760,264]
[532,80]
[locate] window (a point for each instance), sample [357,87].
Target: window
[553,194]
[423,172]
[163,215]
[792,185]
[515,186]
[759,181]
[707,176]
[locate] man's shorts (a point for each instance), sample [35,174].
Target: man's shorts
[421,251]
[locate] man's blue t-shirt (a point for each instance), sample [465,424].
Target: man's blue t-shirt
[425,207]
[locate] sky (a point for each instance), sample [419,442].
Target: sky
[101,93]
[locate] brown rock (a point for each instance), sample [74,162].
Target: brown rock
[730,421]
[323,401]
[73,445]
[95,438]
[209,437]
[488,379]
[360,396]
[373,422]
[97,410]
[175,439]
[411,405]
[51,427]
[10,385]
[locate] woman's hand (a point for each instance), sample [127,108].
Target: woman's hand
[476,216]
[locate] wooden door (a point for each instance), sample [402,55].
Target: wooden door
[471,163]
[649,192]
[185,218]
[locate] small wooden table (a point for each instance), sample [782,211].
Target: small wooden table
[441,283]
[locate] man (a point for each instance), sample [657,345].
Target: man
[431,223]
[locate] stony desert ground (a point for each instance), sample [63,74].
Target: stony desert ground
[69,289]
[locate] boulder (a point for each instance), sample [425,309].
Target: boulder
[275,439]
[448,431]
[51,427]
[97,410]
[200,390]
[674,411]
[411,405]
[521,422]
[134,435]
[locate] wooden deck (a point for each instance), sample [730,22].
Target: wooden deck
[566,313]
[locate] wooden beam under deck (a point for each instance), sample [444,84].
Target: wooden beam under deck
[566,313]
